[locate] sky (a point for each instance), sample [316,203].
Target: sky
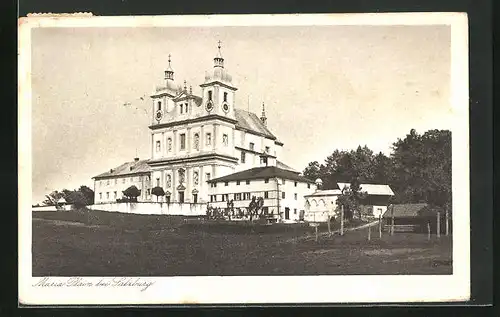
[324,88]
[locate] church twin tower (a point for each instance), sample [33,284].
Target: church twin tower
[198,138]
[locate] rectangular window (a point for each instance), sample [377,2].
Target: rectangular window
[116,181]
[283,195]
[158,146]
[226,183]
[116,194]
[295,211]
[181,196]
[107,195]
[246,196]
[183,141]
[131,179]
[237,196]
[208,139]
[182,106]
[100,195]
[266,210]
[187,108]
[107,182]
[248,182]
[263,160]
[252,146]
[157,182]
[295,184]
[237,182]
[267,149]
[283,181]
[207,176]
[209,95]
[123,181]
[243,157]
[308,185]
[223,197]
[227,197]
[225,140]
[225,96]
[266,195]
[148,192]
[159,105]
[295,196]
[195,198]
[266,180]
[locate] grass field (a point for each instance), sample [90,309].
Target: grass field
[107,244]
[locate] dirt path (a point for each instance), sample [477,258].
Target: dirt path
[64,223]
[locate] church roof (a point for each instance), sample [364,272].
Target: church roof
[262,173]
[286,167]
[250,122]
[129,168]
[371,189]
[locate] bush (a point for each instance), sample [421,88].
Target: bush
[132,193]
[157,191]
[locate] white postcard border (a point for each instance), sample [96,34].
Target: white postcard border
[259,289]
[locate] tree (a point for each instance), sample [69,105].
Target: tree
[157,191]
[88,194]
[312,171]
[351,198]
[132,193]
[53,197]
[76,198]
[422,167]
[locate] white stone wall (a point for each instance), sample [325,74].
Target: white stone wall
[152,208]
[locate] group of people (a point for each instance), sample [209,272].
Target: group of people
[254,211]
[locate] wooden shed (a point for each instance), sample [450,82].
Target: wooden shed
[414,217]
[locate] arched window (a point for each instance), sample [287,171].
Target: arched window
[158,146]
[182,107]
[159,105]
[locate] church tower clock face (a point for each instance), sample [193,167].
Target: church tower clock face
[159,115]
[225,107]
[210,106]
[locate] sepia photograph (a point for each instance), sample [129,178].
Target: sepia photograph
[243,148]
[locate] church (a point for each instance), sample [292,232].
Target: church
[197,139]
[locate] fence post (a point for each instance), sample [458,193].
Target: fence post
[438,225]
[380,226]
[342,220]
[328,222]
[447,221]
[428,230]
[316,229]
[369,233]
[392,220]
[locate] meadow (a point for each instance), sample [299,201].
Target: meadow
[110,244]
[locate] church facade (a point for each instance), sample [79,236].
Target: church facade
[197,138]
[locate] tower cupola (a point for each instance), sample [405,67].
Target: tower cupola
[169,73]
[263,117]
[219,60]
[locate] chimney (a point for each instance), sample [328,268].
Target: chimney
[136,159]
[111,170]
